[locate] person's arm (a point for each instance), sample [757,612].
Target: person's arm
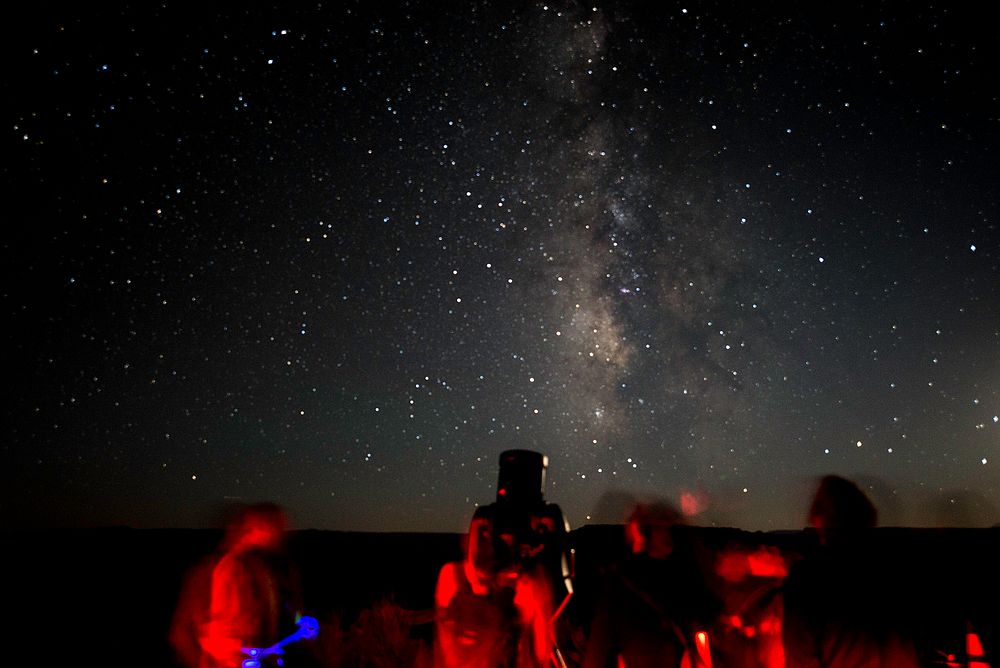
[446,631]
[533,600]
[598,652]
[798,635]
[229,619]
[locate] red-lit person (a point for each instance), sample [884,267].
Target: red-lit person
[654,605]
[253,598]
[748,632]
[844,607]
[495,608]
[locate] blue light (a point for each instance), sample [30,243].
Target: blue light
[308,629]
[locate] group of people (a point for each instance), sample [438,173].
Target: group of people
[509,603]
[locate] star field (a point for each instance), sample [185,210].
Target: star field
[339,257]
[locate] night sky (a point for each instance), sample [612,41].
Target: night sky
[340,256]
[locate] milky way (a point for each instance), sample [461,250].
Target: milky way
[340,259]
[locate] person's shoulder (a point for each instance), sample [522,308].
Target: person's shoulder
[449,583]
[451,571]
[805,572]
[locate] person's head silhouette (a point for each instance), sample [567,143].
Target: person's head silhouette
[840,508]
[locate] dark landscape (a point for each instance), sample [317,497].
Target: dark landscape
[106,596]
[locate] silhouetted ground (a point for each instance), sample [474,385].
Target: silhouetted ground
[106,596]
